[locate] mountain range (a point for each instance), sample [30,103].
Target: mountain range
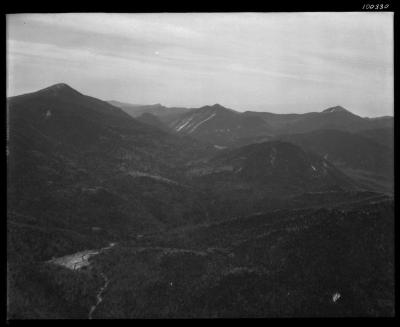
[206,205]
[224,127]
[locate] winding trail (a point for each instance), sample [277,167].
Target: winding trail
[99,296]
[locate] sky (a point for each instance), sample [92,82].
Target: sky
[276,62]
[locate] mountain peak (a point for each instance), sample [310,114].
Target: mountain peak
[335,109]
[218,107]
[59,88]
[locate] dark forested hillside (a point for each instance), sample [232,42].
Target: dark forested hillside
[383,136]
[67,153]
[271,164]
[288,263]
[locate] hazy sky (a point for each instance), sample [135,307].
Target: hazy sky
[278,62]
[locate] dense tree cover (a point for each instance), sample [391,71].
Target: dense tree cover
[285,263]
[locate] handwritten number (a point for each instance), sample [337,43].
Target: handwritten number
[376,7]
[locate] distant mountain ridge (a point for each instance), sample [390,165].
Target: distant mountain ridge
[162,112]
[222,126]
[331,118]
